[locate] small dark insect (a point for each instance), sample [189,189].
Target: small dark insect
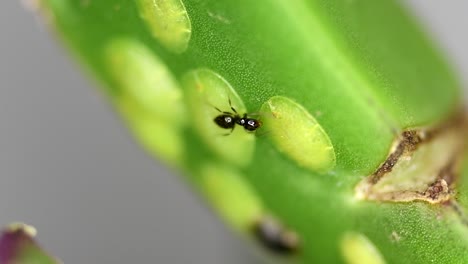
[229,120]
[275,236]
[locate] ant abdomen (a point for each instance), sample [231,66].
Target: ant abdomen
[225,121]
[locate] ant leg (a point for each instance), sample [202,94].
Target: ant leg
[227,113]
[217,109]
[229,132]
[233,109]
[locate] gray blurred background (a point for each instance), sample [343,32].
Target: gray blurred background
[70,168]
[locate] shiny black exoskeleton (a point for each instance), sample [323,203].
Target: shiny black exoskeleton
[229,120]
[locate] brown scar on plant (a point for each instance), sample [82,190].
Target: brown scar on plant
[423,165]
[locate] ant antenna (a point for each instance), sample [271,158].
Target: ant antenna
[217,109]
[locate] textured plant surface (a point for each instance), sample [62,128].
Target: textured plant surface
[359,157]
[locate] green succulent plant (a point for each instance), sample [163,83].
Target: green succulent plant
[329,131]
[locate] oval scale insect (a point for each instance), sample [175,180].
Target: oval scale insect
[228,120]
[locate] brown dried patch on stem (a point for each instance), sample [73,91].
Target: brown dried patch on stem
[423,165]
[407,143]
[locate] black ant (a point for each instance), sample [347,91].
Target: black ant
[230,119]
